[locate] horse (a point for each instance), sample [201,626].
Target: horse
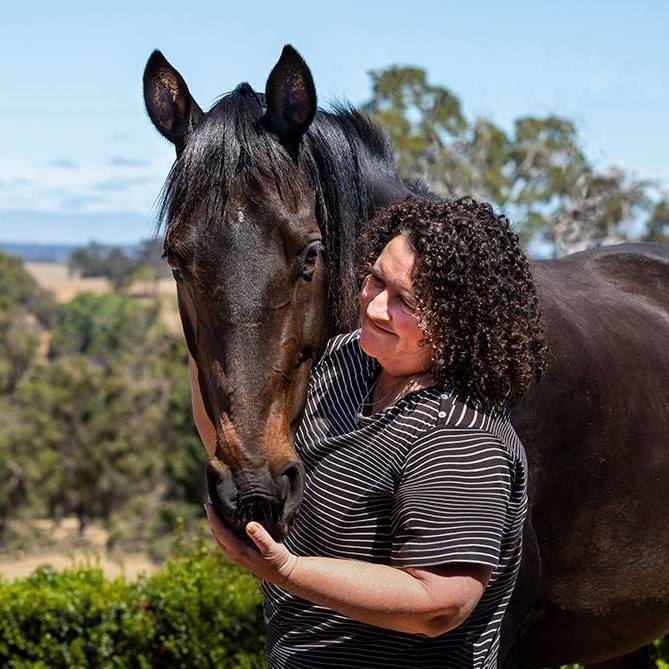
[262,210]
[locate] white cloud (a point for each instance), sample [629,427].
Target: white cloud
[101,186]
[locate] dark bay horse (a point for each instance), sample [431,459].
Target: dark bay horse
[262,210]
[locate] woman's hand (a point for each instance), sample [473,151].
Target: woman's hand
[272,561]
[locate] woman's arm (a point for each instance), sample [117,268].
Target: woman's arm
[427,601]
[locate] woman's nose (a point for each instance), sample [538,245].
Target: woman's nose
[377,307]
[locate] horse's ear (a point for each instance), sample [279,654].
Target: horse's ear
[168,101]
[290,96]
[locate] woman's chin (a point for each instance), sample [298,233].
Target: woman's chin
[371,345]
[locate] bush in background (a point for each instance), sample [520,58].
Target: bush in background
[199,611]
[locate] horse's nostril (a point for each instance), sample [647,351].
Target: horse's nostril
[290,482]
[290,478]
[222,490]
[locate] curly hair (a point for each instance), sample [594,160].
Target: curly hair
[476,298]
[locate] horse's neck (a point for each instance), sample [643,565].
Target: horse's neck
[385,190]
[377,185]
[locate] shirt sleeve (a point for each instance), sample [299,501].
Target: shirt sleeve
[452,500]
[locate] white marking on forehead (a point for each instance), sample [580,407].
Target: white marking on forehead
[240,216]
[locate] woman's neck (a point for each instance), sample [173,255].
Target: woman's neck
[390,389]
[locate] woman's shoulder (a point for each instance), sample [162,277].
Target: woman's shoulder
[345,345]
[457,418]
[343,350]
[346,340]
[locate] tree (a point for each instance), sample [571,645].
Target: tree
[18,290]
[102,428]
[88,261]
[100,261]
[18,341]
[658,223]
[104,327]
[25,311]
[92,420]
[596,209]
[538,174]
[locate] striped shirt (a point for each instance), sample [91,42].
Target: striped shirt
[425,482]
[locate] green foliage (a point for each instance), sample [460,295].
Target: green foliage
[25,309]
[424,122]
[19,292]
[17,467]
[111,263]
[19,340]
[200,611]
[102,429]
[661,652]
[91,419]
[658,224]
[113,408]
[104,326]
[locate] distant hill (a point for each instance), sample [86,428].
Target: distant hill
[59,253]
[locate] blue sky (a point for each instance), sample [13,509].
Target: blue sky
[80,159]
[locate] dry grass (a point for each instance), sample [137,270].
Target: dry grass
[131,566]
[55,278]
[68,548]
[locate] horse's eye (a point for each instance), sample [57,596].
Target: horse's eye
[309,259]
[176,273]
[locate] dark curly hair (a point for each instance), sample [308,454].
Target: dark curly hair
[476,297]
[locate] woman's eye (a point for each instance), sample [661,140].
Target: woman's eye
[407,305]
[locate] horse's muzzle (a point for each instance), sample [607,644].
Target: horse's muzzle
[261,496]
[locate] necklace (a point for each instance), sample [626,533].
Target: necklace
[393,390]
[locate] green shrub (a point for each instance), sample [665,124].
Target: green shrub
[199,611]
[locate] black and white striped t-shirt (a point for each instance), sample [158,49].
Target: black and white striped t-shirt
[424,482]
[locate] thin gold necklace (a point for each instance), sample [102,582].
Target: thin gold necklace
[364,401]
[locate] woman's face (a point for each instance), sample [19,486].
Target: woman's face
[389,326]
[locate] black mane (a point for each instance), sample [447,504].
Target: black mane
[337,150]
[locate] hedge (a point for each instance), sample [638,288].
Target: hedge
[199,611]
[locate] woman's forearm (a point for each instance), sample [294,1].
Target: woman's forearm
[371,593]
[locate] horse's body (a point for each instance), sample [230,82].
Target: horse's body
[593,582]
[596,435]
[595,431]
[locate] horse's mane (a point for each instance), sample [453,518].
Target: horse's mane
[231,139]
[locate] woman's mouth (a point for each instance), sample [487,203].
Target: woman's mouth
[378,327]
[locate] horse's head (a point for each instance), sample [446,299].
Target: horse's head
[243,240]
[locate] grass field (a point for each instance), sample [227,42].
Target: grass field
[67,548]
[56,278]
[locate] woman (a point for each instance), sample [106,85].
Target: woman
[407,544]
